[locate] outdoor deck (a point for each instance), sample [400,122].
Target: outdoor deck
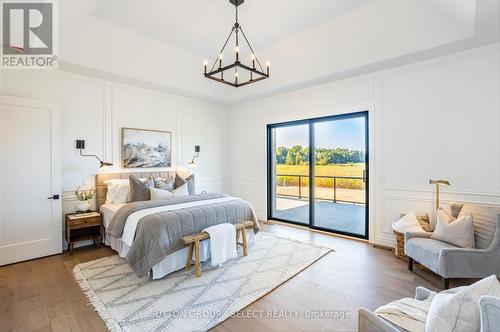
[344,217]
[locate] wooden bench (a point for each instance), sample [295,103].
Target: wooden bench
[194,244]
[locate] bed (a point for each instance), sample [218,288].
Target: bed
[148,234]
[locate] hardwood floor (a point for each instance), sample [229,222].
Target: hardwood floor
[42,295]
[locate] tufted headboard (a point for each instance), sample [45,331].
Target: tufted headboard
[102,189]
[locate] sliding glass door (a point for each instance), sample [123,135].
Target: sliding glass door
[291,179]
[337,199]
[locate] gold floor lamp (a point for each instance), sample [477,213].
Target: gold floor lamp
[437,183]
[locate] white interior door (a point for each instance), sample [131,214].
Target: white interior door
[30,176]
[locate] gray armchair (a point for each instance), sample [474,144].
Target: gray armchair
[450,261]
[489,307]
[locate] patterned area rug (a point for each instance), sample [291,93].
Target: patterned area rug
[182,302]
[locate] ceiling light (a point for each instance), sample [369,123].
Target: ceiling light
[217,70]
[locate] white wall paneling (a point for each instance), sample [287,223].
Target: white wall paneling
[438,118]
[96,110]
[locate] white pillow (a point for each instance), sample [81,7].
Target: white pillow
[118,190]
[181,191]
[458,311]
[408,223]
[459,232]
[159,194]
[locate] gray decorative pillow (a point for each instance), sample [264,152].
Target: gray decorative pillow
[165,184]
[179,181]
[455,209]
[139,191]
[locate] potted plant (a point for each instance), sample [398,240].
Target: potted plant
[83,197]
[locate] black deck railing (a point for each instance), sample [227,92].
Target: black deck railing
[334,187]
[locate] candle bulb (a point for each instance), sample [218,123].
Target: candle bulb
[220,61]
[253,61]
[237,49]
[268,65]
[206,63]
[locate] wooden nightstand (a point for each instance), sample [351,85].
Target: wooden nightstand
[81,227]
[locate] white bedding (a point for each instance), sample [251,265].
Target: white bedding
[172,262]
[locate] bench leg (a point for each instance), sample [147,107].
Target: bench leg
[197,258]
[189,260]
[244,240]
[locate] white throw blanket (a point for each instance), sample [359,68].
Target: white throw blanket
[222,243]
[407,313]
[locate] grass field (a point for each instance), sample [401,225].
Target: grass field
[355,170]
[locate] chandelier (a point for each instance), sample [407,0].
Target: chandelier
[237,74]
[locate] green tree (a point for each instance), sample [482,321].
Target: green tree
[281,154]
[297,155]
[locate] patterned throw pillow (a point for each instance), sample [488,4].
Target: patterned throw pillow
[165,184]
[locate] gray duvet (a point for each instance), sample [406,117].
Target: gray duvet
[160,234]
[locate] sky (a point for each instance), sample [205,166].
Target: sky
[347,134]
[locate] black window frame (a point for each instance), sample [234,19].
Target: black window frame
[310,122]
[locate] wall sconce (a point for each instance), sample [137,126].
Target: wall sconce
[437,183]
[192,163]
[80,144]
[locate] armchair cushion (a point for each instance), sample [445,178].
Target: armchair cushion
[426,251]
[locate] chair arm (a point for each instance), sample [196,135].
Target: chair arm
[422,293]
[467,263]
[490,313]
[412,235]
[368,321]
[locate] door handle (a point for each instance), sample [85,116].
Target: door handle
[364,176]
[53,197]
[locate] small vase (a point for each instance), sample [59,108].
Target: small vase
[82,206]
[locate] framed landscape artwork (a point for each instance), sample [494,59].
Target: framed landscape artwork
[143,148]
